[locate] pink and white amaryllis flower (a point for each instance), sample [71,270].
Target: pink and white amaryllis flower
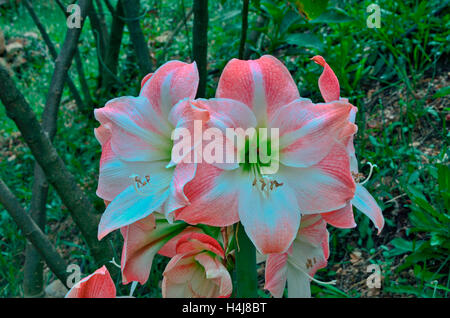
[143,240]
[313,168]
[308,253]
[97,285]
[196,269]
[135,135]
[363,200]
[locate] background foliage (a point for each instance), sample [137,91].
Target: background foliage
[397,76]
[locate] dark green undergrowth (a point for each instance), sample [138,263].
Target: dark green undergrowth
[397,76]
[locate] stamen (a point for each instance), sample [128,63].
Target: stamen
[114,263]
[263,184]
[138,183]
[333,282]
[370,173]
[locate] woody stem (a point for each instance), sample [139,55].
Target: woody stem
[246,276]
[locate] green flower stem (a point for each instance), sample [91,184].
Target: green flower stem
[246,276]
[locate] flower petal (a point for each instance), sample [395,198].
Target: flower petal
[309,253]
[328,82]
[183,174]
[137,132]
[97,285]
[170,248]
[342,218]
[213,197]
[271,221]
[308,131]
[196,272]
[198,242]
[131,205]
[323,187]
[170,83]
[142,241]
[276,274]
[177,276]
[365,202]
[217,273]
[200,117]
[264,85]
[114,173]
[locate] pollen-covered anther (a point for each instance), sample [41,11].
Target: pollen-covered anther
[263,184]
[140,182]
[357,176]
[267,184]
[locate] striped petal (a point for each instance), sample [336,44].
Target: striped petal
[308,131]
[323,187]
[138,133]
[194,243]
[264,85]
[309,253]
[271,221]
[365,202]
[276,274]
[328,82]
[142,241]
[115,173]
[208,122]
[170,248]
[196,270]
[134,203]
[216,272]
[342,218]
[213,197]
[169,84]
[97,285]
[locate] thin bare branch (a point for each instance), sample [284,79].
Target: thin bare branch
[51,48]
[131,9]
[33,233]
[112,54]
[77,202]
[177,29]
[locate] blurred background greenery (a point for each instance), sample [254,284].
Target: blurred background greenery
[397,75]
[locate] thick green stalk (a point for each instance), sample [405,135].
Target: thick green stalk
[246,276]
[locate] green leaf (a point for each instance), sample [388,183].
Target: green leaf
[402,244]
[311,8]
[305,40]
[444,91]
[333,16]
[273,10]
[289,19]
[227,16]
[444,184]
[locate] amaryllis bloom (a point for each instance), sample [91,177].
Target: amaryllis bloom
[97,285]
[135,135]
[313,174]
[363,200]
[308,253]
[143,240]
[196,270]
